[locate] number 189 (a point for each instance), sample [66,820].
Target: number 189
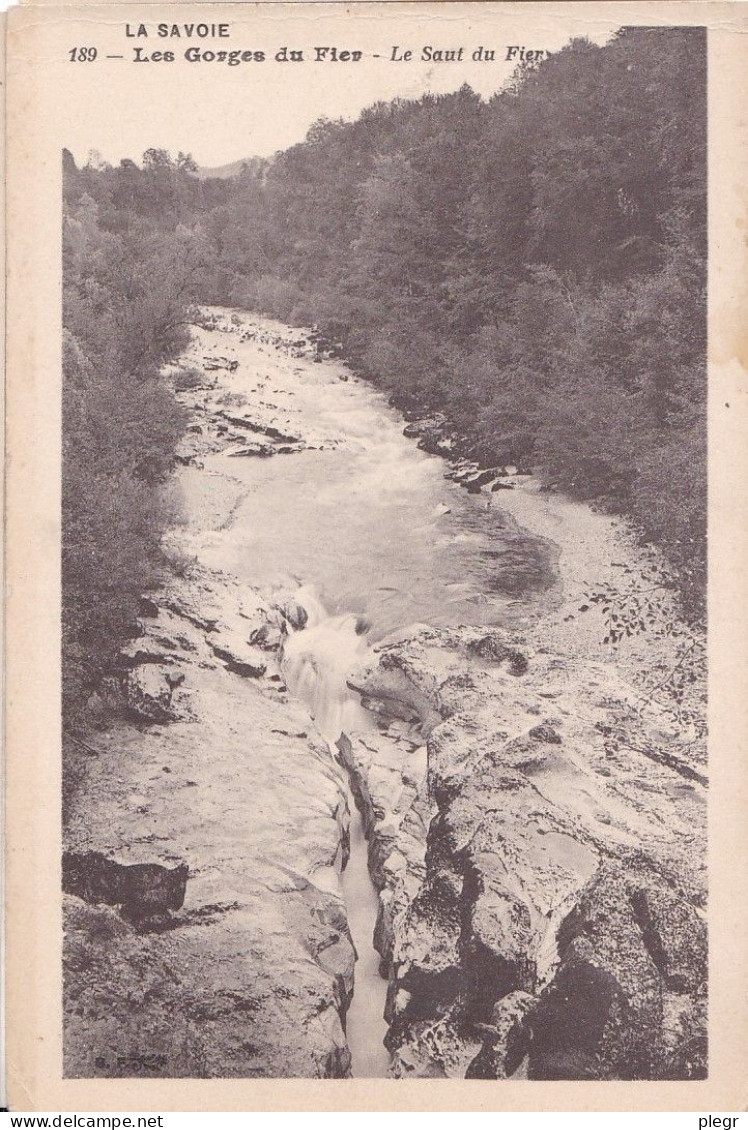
[82,54]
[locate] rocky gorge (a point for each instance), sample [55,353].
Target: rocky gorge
[354,634]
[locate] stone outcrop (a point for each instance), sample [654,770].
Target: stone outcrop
[239,654]
[541,887]
[148,692]
[205,929]
[436,434]
[242,421]
[141,890]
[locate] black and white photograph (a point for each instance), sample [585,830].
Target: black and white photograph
[384,565]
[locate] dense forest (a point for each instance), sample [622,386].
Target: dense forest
[125,309]
[533,267]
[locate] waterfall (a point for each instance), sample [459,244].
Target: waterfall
[317,660]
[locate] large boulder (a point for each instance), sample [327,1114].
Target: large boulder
[506,1039]
[148,691]
[628,941]
[140,889]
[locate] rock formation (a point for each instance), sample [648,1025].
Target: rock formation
[538,861]
[205,927]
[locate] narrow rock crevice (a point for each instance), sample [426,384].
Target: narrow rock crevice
[533,941]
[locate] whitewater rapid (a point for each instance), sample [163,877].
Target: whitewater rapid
[317,660]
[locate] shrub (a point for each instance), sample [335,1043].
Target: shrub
[184,380]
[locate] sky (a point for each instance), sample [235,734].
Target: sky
[118,107]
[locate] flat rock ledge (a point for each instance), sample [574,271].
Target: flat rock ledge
[536,839]
[204,831]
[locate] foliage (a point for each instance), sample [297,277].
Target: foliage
[126,305]
[640,604]
[533,266]
[187,379]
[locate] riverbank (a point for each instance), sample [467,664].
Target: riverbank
[205,926]
[535,824]
[596,551]
[616,599]
[558,933]
[206,823]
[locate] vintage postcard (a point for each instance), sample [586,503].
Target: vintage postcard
[376,556]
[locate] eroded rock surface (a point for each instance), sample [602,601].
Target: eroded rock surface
[243,420]
[541,872]
[205,927]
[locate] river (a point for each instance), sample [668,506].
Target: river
[362,514]
[373,537]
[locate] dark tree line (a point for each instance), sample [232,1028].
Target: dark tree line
[128,282]
[533,266]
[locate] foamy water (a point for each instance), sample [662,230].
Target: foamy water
[316,663]
[362,514]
